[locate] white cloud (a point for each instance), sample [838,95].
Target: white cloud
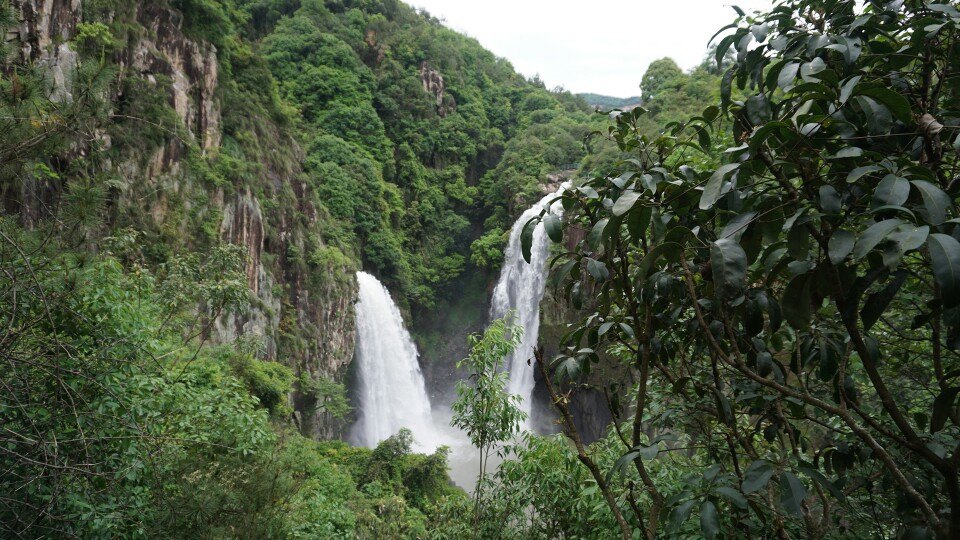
[601,46]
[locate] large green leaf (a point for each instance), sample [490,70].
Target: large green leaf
[877,302]
[760,31]
[709,520]
[796,303]
[661,250]
[848,87]
[680,514]
[792,493]
[819,478]
[622,462]
[830,200]
[896,103]
[554,227]
[879,119]
[849,47]
[729,263]
[649,452]
[860,172]
[757,475]
[788,75]
[726,87]
[625,202]
[764,132]
[891,191]
[945,257]
[558,276]
[873,236]
[638,221]
[942,406]
[758,109]
[840,245]
[909,238]
[847,152]
[812,68]
[711,113]
[829,359]
[736,226]
[935,201]
[733,496]
[598,270]
[711,191]
[596,233]
[764,364]
[526,238]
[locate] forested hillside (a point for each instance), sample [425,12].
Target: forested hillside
[402,120]
[752,309]
[188,187]
[609,102]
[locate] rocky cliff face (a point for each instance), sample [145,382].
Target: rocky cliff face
[191,66]
[434,85]
[45,27]
[305,321]
[588,405]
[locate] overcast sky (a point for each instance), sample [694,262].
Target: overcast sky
[601,46]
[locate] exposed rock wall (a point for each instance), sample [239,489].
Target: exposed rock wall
[305,320]
[44,29]
[434,85]
[192,67]
[588,405]
[243,225]
[331,313]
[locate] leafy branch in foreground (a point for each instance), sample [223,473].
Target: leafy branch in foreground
[791,315]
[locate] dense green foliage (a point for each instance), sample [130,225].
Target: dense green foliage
[403,178]
[669,96]
[790,311]
[120,423]
[120,418]
[408,168]
[768,251]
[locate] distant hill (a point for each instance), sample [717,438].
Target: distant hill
[610,102]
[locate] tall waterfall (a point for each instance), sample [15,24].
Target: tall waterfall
[392,393]
[520,290]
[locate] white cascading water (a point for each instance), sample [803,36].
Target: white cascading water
[520,291]
[392,392]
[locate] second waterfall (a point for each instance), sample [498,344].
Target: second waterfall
[519,291]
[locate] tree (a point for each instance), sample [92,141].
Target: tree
[792,315]
[659,73]
[484,410]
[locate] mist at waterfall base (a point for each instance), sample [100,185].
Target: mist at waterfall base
[391,390]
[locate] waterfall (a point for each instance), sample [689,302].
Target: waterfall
[520,291]
[392,394]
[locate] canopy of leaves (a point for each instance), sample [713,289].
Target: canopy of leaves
[790,303]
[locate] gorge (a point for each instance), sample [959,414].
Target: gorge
[392,393]
[256,258]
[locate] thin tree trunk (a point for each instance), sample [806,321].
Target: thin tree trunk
[571,432]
